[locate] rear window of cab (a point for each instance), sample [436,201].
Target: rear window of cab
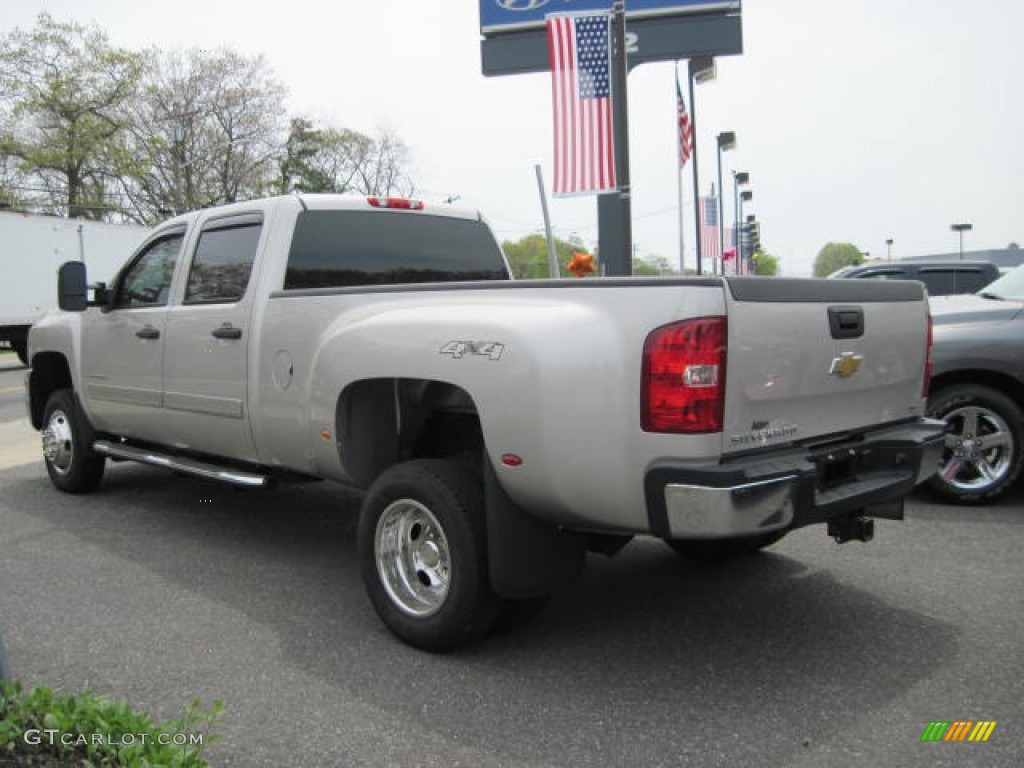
[340,249]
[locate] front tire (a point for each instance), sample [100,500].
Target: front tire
[71,466]
[982,458]
[423,554]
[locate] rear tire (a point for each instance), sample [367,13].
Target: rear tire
[982,459]
[710,550]
[422,544]
[71,466]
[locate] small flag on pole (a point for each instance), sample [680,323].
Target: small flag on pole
[579,46]
[709,227]
[685,129]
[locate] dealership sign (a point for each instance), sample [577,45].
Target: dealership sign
[508,15]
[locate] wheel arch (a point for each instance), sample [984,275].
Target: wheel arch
[50,372]
[380,422]
[1001,382]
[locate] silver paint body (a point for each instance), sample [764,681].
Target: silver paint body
[564,394]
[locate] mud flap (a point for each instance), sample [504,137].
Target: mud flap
[526,557]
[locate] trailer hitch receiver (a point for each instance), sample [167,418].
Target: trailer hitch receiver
[844,529]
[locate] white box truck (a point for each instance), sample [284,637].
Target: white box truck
[32,248]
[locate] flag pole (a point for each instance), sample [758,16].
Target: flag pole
[679,188]
[622,235]
[682,222]
[696,188]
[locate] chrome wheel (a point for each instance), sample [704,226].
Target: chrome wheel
[979,449]
[58,445]
[413,557]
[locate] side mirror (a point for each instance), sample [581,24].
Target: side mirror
[72,294]
[100,295]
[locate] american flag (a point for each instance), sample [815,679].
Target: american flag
[685,129]
[709,227]
[581,95]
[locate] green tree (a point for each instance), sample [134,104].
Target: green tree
[766,264]
[835,256]
[528,256]
[299,170]
[65,90]
[341,160]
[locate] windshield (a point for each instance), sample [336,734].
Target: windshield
[1009,286]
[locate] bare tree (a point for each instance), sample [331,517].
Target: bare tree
[207,129]
[382,170]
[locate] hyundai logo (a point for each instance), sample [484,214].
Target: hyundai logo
[520,5]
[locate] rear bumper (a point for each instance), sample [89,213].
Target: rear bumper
[793,487]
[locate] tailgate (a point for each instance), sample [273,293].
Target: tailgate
[813,359]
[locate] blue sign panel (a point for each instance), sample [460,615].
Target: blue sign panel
[501,15]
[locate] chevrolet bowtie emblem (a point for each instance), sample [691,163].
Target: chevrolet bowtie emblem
[846,365]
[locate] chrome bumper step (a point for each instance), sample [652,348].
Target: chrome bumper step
[182,464]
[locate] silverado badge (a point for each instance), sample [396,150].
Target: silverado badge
[846,365]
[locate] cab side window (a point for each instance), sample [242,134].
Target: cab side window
[147,281]
[223,261]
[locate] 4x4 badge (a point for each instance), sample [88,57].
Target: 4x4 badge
[846,365]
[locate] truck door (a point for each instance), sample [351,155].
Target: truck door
[123,345]
[205,384]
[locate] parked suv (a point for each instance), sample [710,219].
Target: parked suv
[941,278]
[977,387]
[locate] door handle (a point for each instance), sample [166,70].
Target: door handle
[148,332]
[846,322]
[227,332]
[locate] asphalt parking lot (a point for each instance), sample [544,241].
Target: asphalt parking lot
[160,588]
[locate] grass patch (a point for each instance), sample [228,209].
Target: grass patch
[42,729]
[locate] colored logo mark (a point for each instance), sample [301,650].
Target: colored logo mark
[958,730]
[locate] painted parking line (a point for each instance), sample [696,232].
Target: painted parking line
[11,389]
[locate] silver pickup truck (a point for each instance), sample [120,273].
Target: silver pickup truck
[500,429]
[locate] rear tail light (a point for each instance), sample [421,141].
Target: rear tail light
[683,386]
[401,203]
[926,384]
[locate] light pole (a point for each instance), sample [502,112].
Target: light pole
[700,69]
[738,178]
[726,141]
[888,249]
[960,229]
[745,197]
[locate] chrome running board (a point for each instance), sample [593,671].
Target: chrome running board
[182,464]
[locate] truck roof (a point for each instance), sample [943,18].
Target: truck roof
[334,202]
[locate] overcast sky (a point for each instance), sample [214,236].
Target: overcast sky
[857,120]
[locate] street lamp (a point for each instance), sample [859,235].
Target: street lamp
[960,229]
[700,69]
[745,197]
[726,141]
[888,249]
[738,178]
